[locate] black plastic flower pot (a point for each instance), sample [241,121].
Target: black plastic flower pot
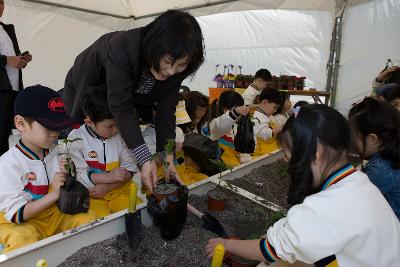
[74,197]
[170,212]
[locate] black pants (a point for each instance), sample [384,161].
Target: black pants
[7,99]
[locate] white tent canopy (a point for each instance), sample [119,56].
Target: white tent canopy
[291,36]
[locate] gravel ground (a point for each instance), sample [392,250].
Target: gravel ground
[242,217]
[270,181]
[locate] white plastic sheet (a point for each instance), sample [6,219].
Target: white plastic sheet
[283,41]
[370,36]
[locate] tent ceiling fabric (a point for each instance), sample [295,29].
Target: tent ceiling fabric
[138,9]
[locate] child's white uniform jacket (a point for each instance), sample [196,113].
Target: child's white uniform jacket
[349,221]
[93,154]
[262,127]
[25,178]
[222,125]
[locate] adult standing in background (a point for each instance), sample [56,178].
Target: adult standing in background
[142,68]
[11,63]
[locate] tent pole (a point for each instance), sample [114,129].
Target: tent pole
[44,2]
[334,57]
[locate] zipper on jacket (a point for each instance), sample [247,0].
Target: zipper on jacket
[104,153]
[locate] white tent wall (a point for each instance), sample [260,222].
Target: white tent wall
[370,37]
[283,41]
[53,39]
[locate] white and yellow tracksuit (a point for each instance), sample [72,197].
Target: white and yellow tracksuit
[222,129]
[24,178]
[97,155]
[265,141]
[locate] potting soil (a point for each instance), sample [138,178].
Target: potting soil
[270,181]
[186,250]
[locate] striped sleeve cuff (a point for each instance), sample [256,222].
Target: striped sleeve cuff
[19,216]
[163,155]
[268,251]
[142,154]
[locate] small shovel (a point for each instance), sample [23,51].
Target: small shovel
[133,219]
[210,223]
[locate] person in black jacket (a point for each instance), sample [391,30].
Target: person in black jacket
[142,68]
[11,63]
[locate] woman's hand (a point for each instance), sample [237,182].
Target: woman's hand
[172,170]
[148,174]
[212,243]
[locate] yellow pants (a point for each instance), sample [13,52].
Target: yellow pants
[115,200]
[230,157]
[189,175]
[265,147]
[49,222]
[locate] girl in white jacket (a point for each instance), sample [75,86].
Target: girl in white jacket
[339,217]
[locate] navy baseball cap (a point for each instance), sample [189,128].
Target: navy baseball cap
[44,105]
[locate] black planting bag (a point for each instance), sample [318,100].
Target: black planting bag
[74,197]
[170,214]
[244,138]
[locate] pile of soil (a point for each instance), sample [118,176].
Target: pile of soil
[270,181]
[242,218]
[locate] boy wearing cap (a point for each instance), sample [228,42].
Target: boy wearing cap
[30,175]
[104,163]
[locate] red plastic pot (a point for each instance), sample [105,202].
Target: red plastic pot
[216,203]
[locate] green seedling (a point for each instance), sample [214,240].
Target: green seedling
[69,165]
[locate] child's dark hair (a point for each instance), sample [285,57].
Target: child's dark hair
[393,94]
[263,74]
[284,96]
[314,124]
[376,117]
[301,103]
[177,34]
[227,100]
[272,95]
[95,104]
[194,99]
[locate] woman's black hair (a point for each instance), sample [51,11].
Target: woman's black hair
[314,124]
[177,34]
[227,100]
[95,104]
[194,99]
[285,96]
[300,103]
[377,117]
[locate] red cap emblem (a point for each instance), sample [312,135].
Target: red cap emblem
[30,176]
[92,154]
[56,104]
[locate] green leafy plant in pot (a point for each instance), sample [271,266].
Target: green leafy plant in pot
[168,205]
[74,196]
[166,186]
